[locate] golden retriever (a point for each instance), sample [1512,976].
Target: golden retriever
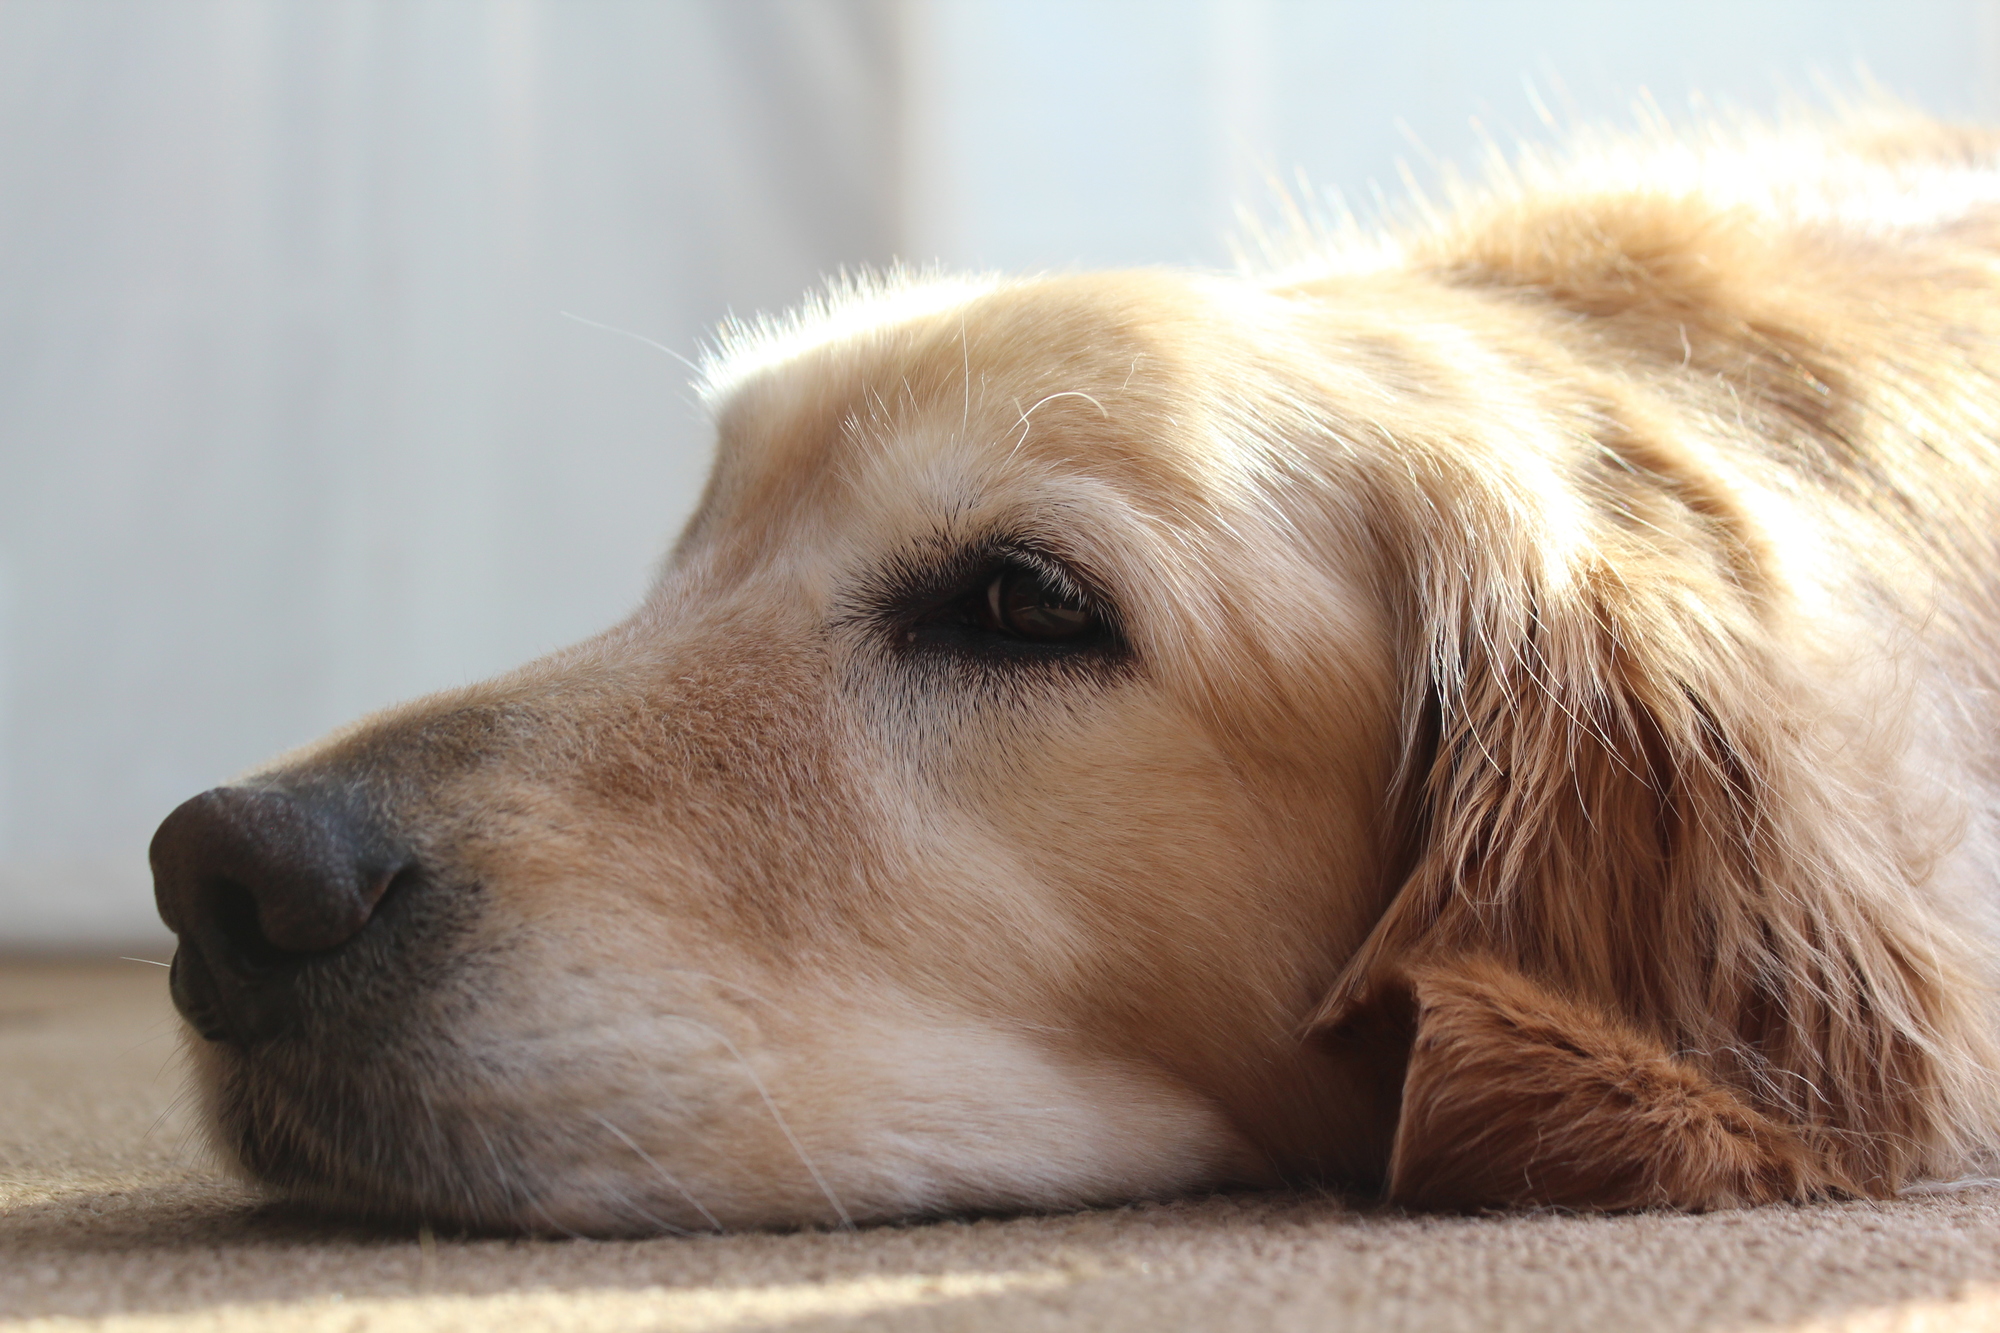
[1504,713]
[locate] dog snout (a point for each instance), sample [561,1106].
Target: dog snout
[258,884]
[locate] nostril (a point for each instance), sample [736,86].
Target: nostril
[232,911]
[258,881]
[193,990]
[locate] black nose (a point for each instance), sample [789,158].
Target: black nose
[257,885]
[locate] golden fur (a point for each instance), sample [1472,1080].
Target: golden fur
[1545,754]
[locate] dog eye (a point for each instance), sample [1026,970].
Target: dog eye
[1002,606]
[1021,603]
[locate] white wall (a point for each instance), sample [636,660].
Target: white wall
[292,423]
[1063,133]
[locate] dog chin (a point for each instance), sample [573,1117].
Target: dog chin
[701,1117]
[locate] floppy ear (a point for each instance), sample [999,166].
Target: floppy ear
[1514,1095]
[1657,942]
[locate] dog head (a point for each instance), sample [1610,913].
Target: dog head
[968,819]
[1099,737]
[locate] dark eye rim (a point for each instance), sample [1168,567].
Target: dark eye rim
[947,607]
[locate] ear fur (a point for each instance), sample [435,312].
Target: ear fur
[1516,1096]
[1685,860]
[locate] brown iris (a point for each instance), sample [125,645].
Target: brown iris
[1020,603]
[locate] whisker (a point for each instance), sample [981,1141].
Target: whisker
[846,1220]
[447,1147]
[513,1186]
[965,355]
[649,1159]
[148,1040]
[726,983]
[174,1104]
[622,1201]
[163,1064]
[1067,393]
[636,337]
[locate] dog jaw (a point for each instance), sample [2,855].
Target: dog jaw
[673,1103]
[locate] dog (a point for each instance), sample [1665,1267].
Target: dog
[1501,713]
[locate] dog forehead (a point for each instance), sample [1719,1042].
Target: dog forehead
[1095,375]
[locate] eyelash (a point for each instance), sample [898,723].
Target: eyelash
[959,609]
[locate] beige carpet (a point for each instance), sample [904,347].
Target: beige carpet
[114,1219]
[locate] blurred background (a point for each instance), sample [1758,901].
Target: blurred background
[326,373]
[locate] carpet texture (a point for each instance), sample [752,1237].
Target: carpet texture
[112,1217]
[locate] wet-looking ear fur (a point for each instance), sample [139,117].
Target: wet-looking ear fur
[1661,938]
